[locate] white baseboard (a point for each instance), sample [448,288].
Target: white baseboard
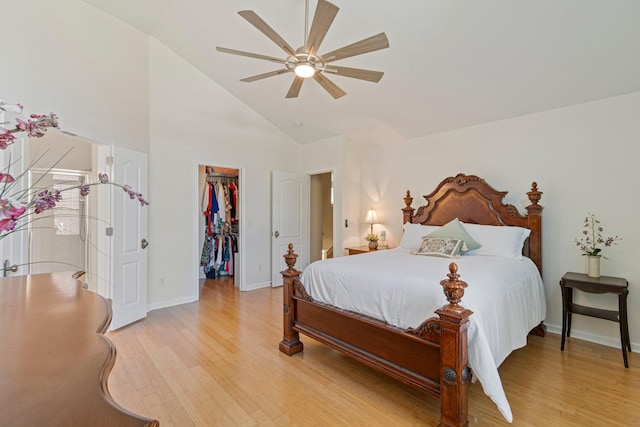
[586,336]
[171,303]
[254,286]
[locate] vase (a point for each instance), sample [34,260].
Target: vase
[594,266]
[373,245]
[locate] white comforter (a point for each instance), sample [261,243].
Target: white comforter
[505,295]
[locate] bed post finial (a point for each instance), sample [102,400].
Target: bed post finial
[407,211]
[534,195]
[454,372]
[290,258]
[454,288]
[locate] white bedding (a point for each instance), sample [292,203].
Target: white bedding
[505,295]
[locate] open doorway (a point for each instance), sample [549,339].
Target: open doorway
[219,224]
[321,216]
[58,239]
[65,238]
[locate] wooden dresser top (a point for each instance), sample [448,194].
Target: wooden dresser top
[54,358]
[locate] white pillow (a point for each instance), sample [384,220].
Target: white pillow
[414,233]
[496,240]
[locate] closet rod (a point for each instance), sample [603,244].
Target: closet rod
[218,171]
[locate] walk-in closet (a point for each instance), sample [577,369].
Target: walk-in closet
[219,223]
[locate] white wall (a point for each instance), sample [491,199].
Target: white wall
[584,158]
[194,121]
[87,67]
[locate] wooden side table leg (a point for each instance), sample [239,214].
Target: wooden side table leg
[624,328]
[626,321]
[569,303]
[563,291]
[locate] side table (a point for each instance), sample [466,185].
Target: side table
[360,250]
[596,285]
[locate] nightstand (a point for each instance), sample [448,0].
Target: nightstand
[360,250]
[596,285]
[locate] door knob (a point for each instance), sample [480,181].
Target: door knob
[276,234]
[144,244]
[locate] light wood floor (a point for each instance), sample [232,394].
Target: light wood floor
[216,362]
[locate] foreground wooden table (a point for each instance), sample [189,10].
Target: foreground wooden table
[54,358]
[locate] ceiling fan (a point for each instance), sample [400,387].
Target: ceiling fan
[305,61]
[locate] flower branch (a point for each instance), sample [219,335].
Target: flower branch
[592,239]
[17,209]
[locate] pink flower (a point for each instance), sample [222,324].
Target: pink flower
[103,177]
[47,200]
[5,138]
[134,195]
[7,225]
[9,214]
[5,177]
[38,124]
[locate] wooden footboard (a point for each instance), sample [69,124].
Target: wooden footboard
[431,358]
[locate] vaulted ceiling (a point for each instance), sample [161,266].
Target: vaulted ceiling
[451,63]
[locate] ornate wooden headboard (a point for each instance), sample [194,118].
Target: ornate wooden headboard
[470,199]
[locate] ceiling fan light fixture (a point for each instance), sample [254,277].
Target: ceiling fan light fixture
[304,70]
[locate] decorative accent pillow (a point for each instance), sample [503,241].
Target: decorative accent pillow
[455,230]
[498,240]
[440,246]
[414,233]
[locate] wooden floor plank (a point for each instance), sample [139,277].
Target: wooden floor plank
[216,362]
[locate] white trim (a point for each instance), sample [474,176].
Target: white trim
[594,338]
[260,285]
[171,303]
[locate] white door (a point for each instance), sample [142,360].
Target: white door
[129,284]
[290,221]
[14,247]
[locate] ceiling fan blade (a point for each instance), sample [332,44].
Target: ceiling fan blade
[329,86]
[265,29]
[250,55]
[294,90]
[356,73]
[264,75]
[322,19]
[370,44]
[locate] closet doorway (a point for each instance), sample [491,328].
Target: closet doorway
[219,223]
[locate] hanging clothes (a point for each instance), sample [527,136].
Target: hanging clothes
[220,209]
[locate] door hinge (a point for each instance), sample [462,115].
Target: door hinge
[109,231]
[109,160]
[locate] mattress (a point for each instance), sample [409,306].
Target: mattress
[402,289]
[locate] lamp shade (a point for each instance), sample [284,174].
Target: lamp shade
[371,218]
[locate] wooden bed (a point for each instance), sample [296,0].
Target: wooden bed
[432,357]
